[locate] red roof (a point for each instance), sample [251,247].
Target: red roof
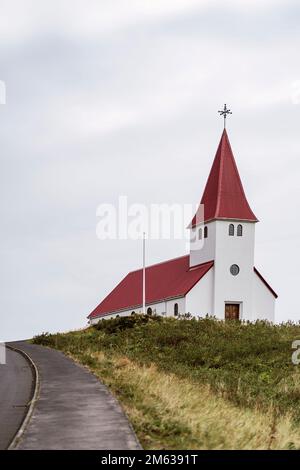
[224,196]
[170,279]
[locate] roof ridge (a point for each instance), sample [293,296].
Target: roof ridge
[265,282]
[197,266]
[160,262]
[220,171]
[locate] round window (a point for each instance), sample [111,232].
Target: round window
[234,269]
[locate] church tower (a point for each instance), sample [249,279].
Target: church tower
[223,231]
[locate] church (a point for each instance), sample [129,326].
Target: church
[218,277]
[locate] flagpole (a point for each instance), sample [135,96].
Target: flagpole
[144,273]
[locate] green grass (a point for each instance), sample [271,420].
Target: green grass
[241,368]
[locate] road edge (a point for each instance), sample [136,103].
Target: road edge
[117,402]
[109,391]
[36,388]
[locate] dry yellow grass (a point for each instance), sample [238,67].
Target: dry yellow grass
[233,385]
[189,415]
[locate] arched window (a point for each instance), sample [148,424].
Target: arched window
[133,313]
[149,311]
[200,233]
[239,230]
[205,231]
[231,230]
[176,310]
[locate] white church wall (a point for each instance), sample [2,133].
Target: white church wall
[234,250]
[165,308]
[263,301]
[203,250]
[125,313]
[170,306]
[227,250]
[199,300]
[157,308]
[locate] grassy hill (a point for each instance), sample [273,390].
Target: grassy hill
[196,384]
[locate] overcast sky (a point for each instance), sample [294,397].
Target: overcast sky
[120,97]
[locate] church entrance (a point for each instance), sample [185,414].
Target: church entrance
[232,311]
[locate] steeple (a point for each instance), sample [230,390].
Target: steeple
[224,196]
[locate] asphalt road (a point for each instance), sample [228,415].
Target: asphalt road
[74,409]
[16,381]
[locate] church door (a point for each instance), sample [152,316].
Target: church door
[232,311]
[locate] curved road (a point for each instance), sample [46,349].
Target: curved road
[74,409]
[16,380]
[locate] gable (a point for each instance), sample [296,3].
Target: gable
[265,282]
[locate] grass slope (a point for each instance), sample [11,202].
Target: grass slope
[196,384]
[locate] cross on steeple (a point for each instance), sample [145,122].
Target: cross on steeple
[224,113]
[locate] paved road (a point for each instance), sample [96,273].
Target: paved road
[74,410]
[15,392]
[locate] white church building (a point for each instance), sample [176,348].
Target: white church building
[218,277]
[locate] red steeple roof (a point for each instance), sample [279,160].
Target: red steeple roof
[224,196]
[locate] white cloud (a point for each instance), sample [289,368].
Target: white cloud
[21,19]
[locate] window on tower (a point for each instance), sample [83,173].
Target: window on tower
[239,230]
[231,230]
[205,232]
